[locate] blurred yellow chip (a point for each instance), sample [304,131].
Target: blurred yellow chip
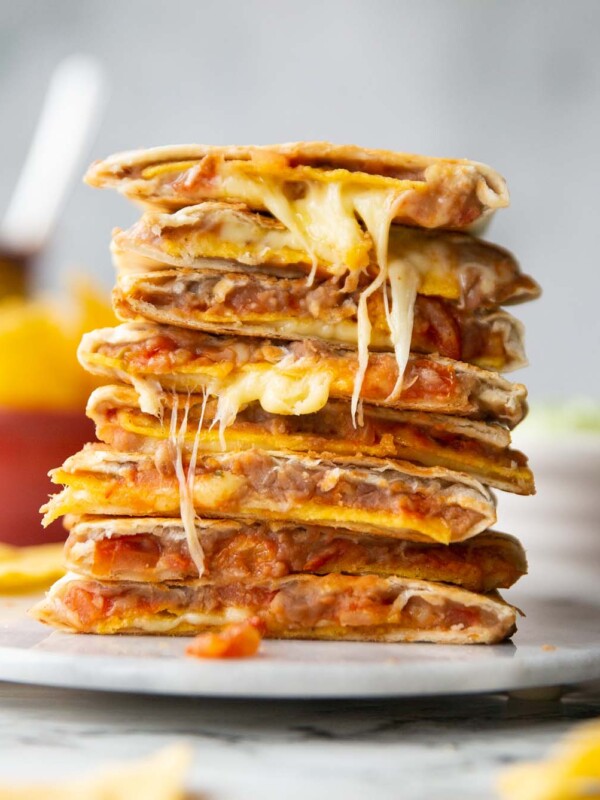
[159,777]
[38,344]
[571,773]
[24,569]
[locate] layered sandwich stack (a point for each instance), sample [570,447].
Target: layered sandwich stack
[306,410]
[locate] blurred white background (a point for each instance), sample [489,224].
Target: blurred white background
[515,84]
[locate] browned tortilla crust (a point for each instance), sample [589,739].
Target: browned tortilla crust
[477,448]
[152,550]
[368,495]
[265,306]
[447,193]
[307,606]
[182,359]
[224,236]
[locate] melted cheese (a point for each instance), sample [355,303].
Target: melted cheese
[279,391]
[149,392]
[323,217]
[377,212]
[188,619]
[336,332]
[288,387]
[403,288]
[319,214]
[186,482]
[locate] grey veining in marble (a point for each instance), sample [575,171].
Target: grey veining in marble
[441,747]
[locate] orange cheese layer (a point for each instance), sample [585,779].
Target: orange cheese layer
[378,497]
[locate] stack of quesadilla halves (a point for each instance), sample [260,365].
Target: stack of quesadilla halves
[306,408]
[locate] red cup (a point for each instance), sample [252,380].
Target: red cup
[32,443]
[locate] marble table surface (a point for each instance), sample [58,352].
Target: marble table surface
[412,749]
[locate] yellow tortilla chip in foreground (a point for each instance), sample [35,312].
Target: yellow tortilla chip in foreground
[572,773]
[24,569]
[158,777]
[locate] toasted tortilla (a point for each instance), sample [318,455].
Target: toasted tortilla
[290,378]
[226,237]
[436,192]
[477,448]
[344,607]
[366,495]
[289,308]
[148,550]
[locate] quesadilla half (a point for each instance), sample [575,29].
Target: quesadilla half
[149,549]
[365,608]
[227,237]
[367,495]
[456,443]
[322,185]
[289,378]
[289,308]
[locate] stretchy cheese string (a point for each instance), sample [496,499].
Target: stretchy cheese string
[377,210]
[401,277]
[186,482]
[283,210]
[196,549]
[364,339]
[173,423]
[403,282]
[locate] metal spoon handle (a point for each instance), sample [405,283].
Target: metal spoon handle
[70,115]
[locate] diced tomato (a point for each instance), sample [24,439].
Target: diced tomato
[126,554]
[245,555]
[315,561]
[239,640]
[462,615]
[88,606]
[178,563]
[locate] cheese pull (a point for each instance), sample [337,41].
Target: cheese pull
[316,181]
[226,237]
[337,202]
[294,378]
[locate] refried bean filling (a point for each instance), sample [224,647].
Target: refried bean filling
[296,604]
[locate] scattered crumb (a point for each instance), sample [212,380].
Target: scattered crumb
[238,640]
[548,648]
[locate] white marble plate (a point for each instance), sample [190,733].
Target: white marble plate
[558,643]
